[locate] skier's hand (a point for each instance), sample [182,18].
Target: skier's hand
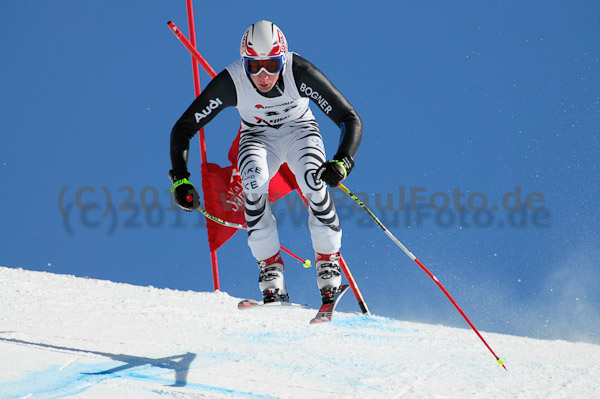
[333,172]
[184,193]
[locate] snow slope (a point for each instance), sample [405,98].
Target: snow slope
[68,337]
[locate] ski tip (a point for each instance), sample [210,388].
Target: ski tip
[319,320]
[247,304]
[286,304]
[251,303]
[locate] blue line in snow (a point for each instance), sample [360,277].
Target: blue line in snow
[53,383]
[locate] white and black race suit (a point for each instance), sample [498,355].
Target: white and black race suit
[277,127]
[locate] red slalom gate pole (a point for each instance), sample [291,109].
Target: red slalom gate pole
[190,14]
[422,266]
[192,49]
[192,29]
[361,301]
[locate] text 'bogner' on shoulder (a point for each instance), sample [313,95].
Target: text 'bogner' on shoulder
[316,96]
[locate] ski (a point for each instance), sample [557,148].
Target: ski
[252,304]
[326,310]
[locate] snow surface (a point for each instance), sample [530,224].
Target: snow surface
[69,337]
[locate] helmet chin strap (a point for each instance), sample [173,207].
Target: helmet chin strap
[277,85]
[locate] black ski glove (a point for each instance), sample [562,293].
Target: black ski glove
[184,193]
[333,172]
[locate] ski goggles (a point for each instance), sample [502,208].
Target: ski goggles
[272,66]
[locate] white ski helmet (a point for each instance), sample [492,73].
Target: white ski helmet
[263,40]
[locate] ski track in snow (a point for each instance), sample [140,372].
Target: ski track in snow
[77,338]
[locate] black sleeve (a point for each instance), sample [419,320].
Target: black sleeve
[312,83]
[219,94]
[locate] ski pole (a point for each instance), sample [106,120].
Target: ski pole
[418,262]
[305,262]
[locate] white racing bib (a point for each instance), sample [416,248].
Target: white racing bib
[256,109]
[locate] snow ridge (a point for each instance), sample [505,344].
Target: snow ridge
[70,337]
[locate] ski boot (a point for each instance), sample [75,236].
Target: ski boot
[270,279]
[329,276]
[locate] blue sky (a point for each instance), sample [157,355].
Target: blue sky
[479,98]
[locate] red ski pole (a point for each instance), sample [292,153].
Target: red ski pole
[426,270]
[305,262]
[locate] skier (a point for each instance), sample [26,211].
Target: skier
[271,88]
